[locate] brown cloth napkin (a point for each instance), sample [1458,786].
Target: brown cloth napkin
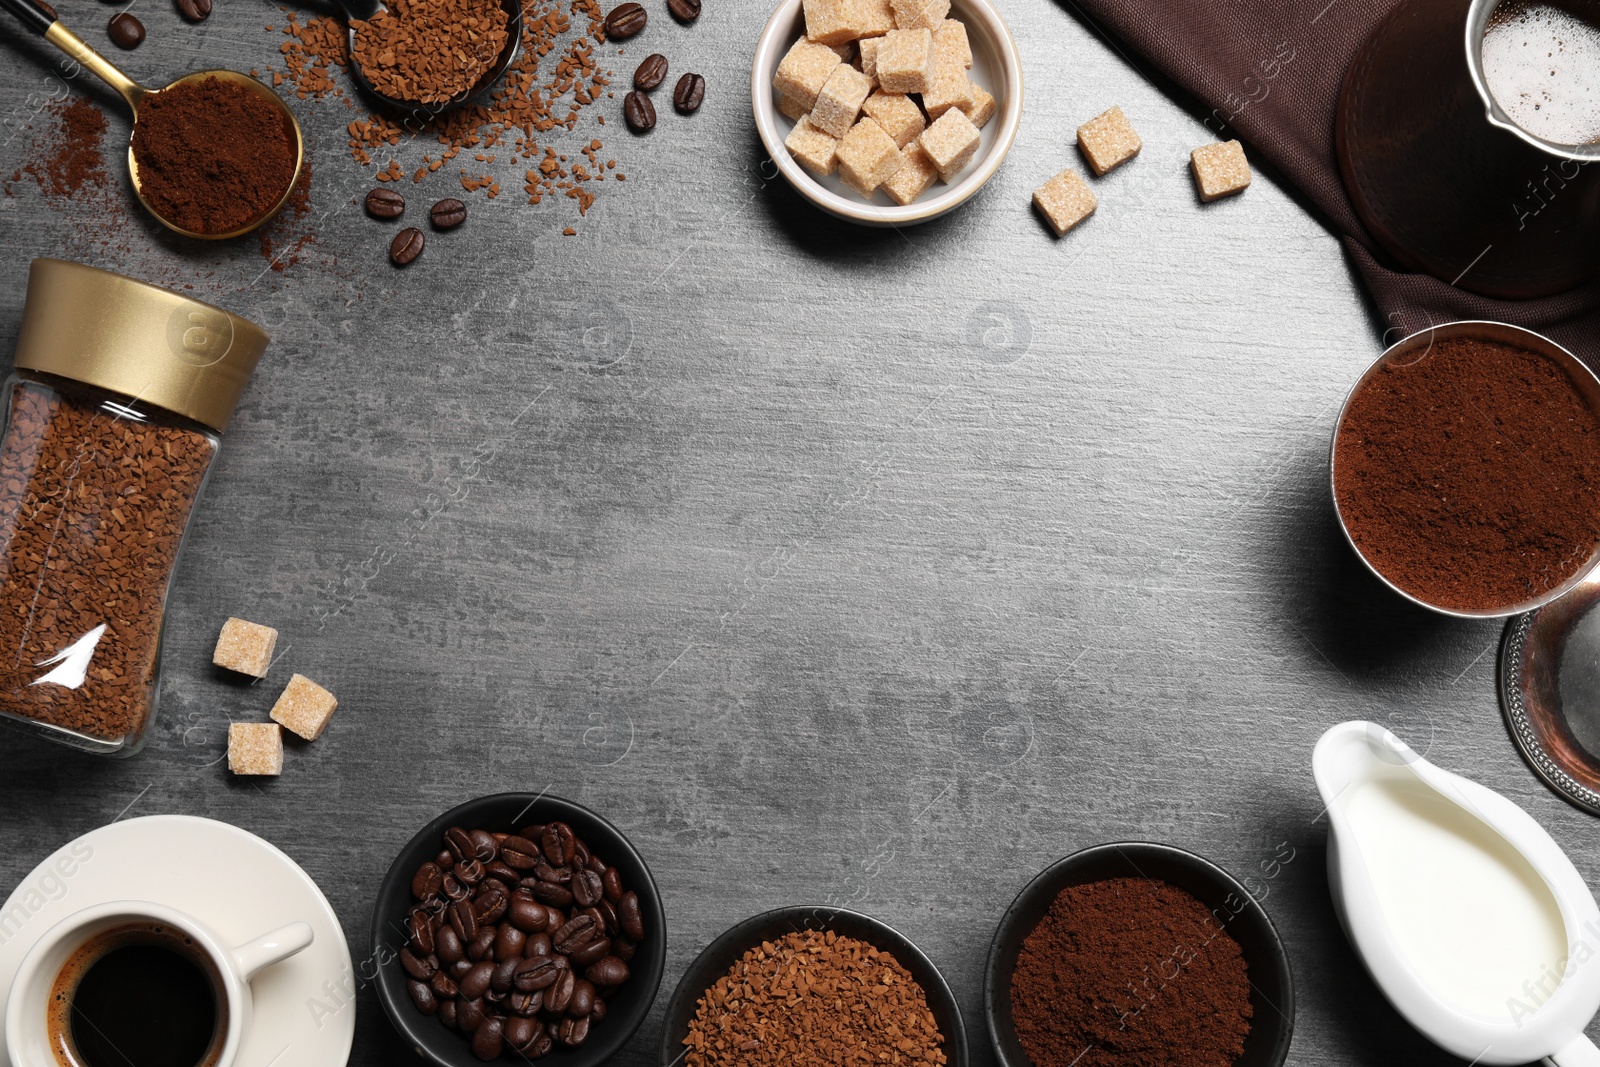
[1271,69]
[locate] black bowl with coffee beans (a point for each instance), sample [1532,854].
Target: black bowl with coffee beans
[518,926]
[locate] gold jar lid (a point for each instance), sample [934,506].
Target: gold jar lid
[133,338]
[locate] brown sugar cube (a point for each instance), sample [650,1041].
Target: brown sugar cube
[1108,141]
[245,647]
[803,72]
[919,14]
[812,148]
[905,61]
[897,113]
[982,108]
[792,108]
[304,707]
[840,100]
[867,157]
[948,84]
[951,34]
[867,57]
[950,142]
[1220,169]
[916,173]
[876,18]
[1065,201]
[833,21]
[255,748]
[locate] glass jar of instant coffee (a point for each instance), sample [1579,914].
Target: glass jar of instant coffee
[113,415]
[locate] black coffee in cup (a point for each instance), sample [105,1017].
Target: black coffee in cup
[139,995]
[1541,59]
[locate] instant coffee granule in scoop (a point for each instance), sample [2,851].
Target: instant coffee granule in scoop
[1130,972]
[429,51]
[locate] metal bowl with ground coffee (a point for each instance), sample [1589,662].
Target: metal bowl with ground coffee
[1466,469]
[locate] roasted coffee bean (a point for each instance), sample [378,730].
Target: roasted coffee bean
[459,842]
[539,972]
[496,998]
[519,852]
[538,945]
[559,844]
[542,1046]
[125,31]
[628,914]
[639,112]
[464,921]
[651,73]
[504,971]
[469,1014]
[508,942]
[452,887]
[684,10]
[476,981]
[459,968]
[501,873]
[419,928]
[388,204]
[417,967]
[526,913]
[484,845]
[531,832]
[445,859]
[491,902]
[623,949]
[586,954]
[482,946]
[448,944]
[690,92]
[609,914]
[469,871]
[447,1013]
[607,970]
[529,1004]
[443,985]
[578,930]
[625,20]
[194,10]
[520,1034]
[554,875]
[422,996]
[587,889]
[574,1032]
[612,880]
[405,247]
[582,1002]
[599,1012]
[447,214]
[550,893]
[559,995]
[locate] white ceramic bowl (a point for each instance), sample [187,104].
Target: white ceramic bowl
[995,65]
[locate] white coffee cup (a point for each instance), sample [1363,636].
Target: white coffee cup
[27,1031]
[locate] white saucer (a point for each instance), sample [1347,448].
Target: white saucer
[232,881]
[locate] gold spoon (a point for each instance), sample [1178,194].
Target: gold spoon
[42,20]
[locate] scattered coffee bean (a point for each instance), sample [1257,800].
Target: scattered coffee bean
[194,10]
[651,73]
[639,112]
[625,20]
[125,31]
[388,204]
[447,214]
[684,10]
[690,91]
[405,248]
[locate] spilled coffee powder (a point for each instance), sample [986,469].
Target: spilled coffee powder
[1470,477]
[1130,972]
[814,999]
[213,156]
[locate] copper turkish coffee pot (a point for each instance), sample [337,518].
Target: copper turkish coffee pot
[1444,179]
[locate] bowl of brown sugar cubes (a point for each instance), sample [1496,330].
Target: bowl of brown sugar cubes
[887,112]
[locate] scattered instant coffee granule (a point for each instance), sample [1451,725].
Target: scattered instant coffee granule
[92,511]
[1130,972]
[1470,477]
[430,51]
[213,156]
[523,117]
[814,999]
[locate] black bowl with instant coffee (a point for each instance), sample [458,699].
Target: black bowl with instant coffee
[810,928]
[1164,916]
[415,987]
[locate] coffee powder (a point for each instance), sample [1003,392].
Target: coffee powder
[93,505]
[1130,972]
[814,998]
[213,156]
[1470,477]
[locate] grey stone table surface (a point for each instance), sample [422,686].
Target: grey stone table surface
[834,565]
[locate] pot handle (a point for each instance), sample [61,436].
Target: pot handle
[284,942]
[1579,1052]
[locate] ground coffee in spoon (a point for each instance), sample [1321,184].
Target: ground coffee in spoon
[1130,972]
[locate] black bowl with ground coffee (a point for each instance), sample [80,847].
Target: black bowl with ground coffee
[1466,469]
[1139,955]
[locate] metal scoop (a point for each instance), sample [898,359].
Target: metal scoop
[362,10]
[42,21]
